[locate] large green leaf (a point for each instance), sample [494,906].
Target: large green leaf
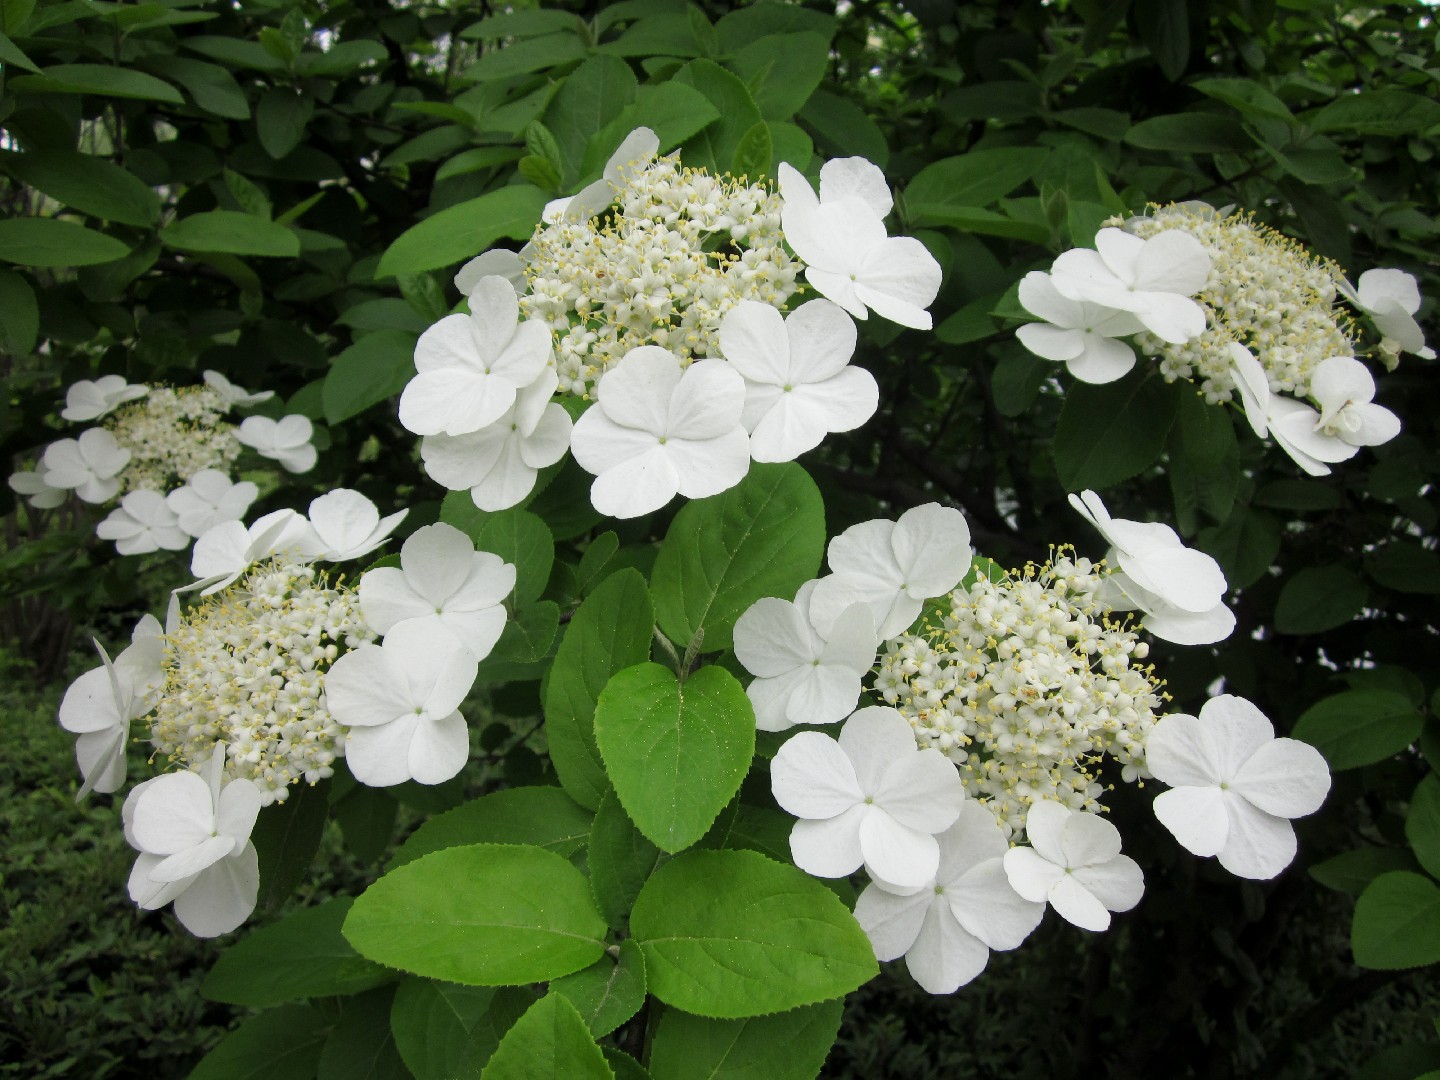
[465,230]
[375,368]
[1360,727]
[87,183]
[543,816]
[620,859]
[971,181]
[517,536]
[1351,871]
[361,1047]
[733,934]
[591,96]
[101,79]
[433,1023]
[281,119]
[550,1040]
[1319,598]
[286,838]
[483,915]
[608,992]
[231,232]
[1191,133]
[715,145]
[786,1046]
[43,241]
[763,537]
[1204,462]
[1378,112]
[301,956]
[279,1044]
[672,110]
[21,325]
[1422,824]
[210,86]
[1397,922]
[844,127]
[675,752]
[1110,433]
[782,71]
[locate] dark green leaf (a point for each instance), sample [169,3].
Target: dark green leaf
[210,86]
[1191,133]
[20,325]
[361,1047]
[281,119]
[970,181]
[1164,26]
[1422,824]
[1397,923]
[1405,566]
[1319,598]
[87,183]
[231,232]
[1110,433]
[1351,871]
[374,369]
[543,816]
[716,144]
[782,71]
[464,231]
[608,992]
[787,1046]
[620,858]
[1377,112]
[43,241]
[101,79]
[550,1040]
[1359,727]
[280,1044]
[432,1024]
[590,98]
[844,127]
[517,536]
[752,156]
[286,837]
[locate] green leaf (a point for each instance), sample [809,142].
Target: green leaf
[20,327]
[1294,493]
[789,143]
[787,1046]
[608,992]
[970,181]
[716,144]
[98,79]
[550,1040]
[543,816]
[210,86]
[374,369]
[464,230]
[763,537]
[302,956]
[782,71]
[1204,462]
[280,1044]
[1110,433]
[1246,96]
[609,632]
[231,232]
[590,97]
[531,54]
[625,1066]
[526,22]
[44,241]
[1422,824]
[1397,923]
[1351,871]
[366,817]
[249,195]
[1319,598]
[732,934]
[1164,26]
[845,127]
[508,1006]
[675,752]
[281,119]
[1244,546]
[286,838]
[1191,133]
[361,1047]
[620,859]
[1405,566]
[432,1023]
[86,183]
[752,156]
[14,56]
[1360,727]
[482,915]
[672,110]
[529,635]
[385,313]
[1376,112]
[517,536]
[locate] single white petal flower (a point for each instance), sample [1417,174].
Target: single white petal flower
[286,440]
[656,431]
[31,483]
[210,498]
[232,396]
[1079,334]
[89,465]
[401,701]
[1164,619]
[1296,427]
[88,400]
[469,367]
[1391,298]
[348,525]
[1074,864]
[873,797]
[442,580]
[99,705]
[1153,279]
[799,384]
[1344,389]
[143,522]
[497,262]
[1234,786]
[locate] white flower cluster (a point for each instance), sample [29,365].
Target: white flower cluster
[172,433]
[667,309]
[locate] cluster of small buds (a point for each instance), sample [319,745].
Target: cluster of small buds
[173,433]
[1265,291]
[1026,684]
[678,251]
[246,667]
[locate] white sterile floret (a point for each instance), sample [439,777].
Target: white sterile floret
[1293,424]
[872,798]
[87,400]
[497,262]
[894,566]
[1181,591]
[347,525]
[656,431]
[88,465]
[401,702]
[442,581]
[801,675]
[225,551]
[210,498]
[99,705]
[946,928]
[848,256]
[469,367]
[193,834]
[232,396]
[1345,391]
[799,384]
[1234,786]
[1081,335]
[1391,298]
[143,522]
[286,440]
[630,158]
[1153,279]
[32,484]
[1074,864]
[499,463]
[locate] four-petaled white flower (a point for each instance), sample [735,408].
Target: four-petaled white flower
[193,834]
[227,550]
[1082,335]
[848,256]
[947,927]
[1153,279]
[1234,786]
[32,484]
[499,462]
[633,154]
[1345,391]
[655,431]
[286,440]
[872,798]
[210,498]
[894,566]
[802,676]
[88,465]
[799,384]
[88,400]
[99,705]
[231,395]
[1293,424]
[401,702]
[469,367]
[143,522]
[347,525]
[442,581]
[1391,298]
[1181,591]
[1074,863]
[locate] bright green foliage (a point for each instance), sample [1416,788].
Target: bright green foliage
[786,1046]
[608,992]
[432,1022]
[543,816]
[549,1040]
[620,859]
[1359,726]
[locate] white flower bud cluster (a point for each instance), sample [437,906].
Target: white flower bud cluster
[678,251]
[1265,291]
[173,433]
[1026,684]
[246,667]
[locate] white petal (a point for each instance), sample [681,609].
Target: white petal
[706,467]
[1055,342]
[1045,829]
[478,631]
[976,837]
[365,687]
[636,392]
[985,904]
[899,278]
[856,178]
[945,957]
[932,549]
[1196,818]
[1286,778]
[637,486]
[1190,580]
[1118,883]
[436,560]
[873,739]
[147,892]
[439,749]
[601,444]
[891,922]
[1189,627]
[438,669]
[1173,261]
[101,757]
[547,443]
[1077,905]
[1031,875]
[386,598]
[1088,839]
[896,854]
[454,401]
[1207,750]
[175,813]
[459,462]
[822,339]
[772,637]
[1260,844]
[753,339]
[222,897]
[829,847]
[922,791]
[1101,360]
[380,756]
[189,862]
[812,777]
[707,401]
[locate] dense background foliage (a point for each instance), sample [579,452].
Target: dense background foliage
[281,190]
